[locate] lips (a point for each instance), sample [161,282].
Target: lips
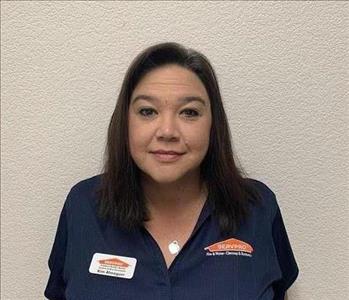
[167,152]
[167,156]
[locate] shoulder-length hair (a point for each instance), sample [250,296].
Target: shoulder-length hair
[121,197]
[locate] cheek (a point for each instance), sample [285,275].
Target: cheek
[200,137]
[133,137]
[201,132]
[197,141]
[138,136]
[202,143]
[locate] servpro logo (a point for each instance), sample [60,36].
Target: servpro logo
[229,247]
[113,262]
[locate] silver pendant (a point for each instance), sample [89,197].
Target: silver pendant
[174,247]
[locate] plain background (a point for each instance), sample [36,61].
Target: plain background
[282,69]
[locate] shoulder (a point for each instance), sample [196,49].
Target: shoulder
[87,185]
[83,190]
[268,201]
[286,264]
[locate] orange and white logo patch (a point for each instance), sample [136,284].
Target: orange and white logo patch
[113,265]
[229,247]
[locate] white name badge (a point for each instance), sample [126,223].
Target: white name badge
[113,265]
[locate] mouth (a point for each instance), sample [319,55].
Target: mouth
[165,157]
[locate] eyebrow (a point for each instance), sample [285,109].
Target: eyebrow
[185,99]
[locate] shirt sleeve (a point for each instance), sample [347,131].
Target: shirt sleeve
[55,288]
[286,259]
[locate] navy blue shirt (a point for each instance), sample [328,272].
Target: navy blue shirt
[256,263]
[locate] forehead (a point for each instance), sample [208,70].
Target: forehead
[171,77]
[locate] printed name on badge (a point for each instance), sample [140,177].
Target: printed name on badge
[113,265]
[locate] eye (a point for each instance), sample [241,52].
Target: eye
[146,110]
[194,113]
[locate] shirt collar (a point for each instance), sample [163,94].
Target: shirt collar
[205,213]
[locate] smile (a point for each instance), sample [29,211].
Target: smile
[166,157]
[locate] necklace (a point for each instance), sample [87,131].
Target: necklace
[174,247]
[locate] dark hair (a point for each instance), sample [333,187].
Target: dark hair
[120,194]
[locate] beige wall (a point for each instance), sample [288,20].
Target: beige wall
[282,69]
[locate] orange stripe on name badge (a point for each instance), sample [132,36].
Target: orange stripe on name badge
[113,262]
[230,245]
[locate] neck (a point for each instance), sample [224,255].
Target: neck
[172,200]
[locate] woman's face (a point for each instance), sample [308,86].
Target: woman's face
[162,117]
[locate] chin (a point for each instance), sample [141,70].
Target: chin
[163,178]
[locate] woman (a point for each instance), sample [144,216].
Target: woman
[171,216]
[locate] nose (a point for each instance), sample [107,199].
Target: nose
[167,128]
